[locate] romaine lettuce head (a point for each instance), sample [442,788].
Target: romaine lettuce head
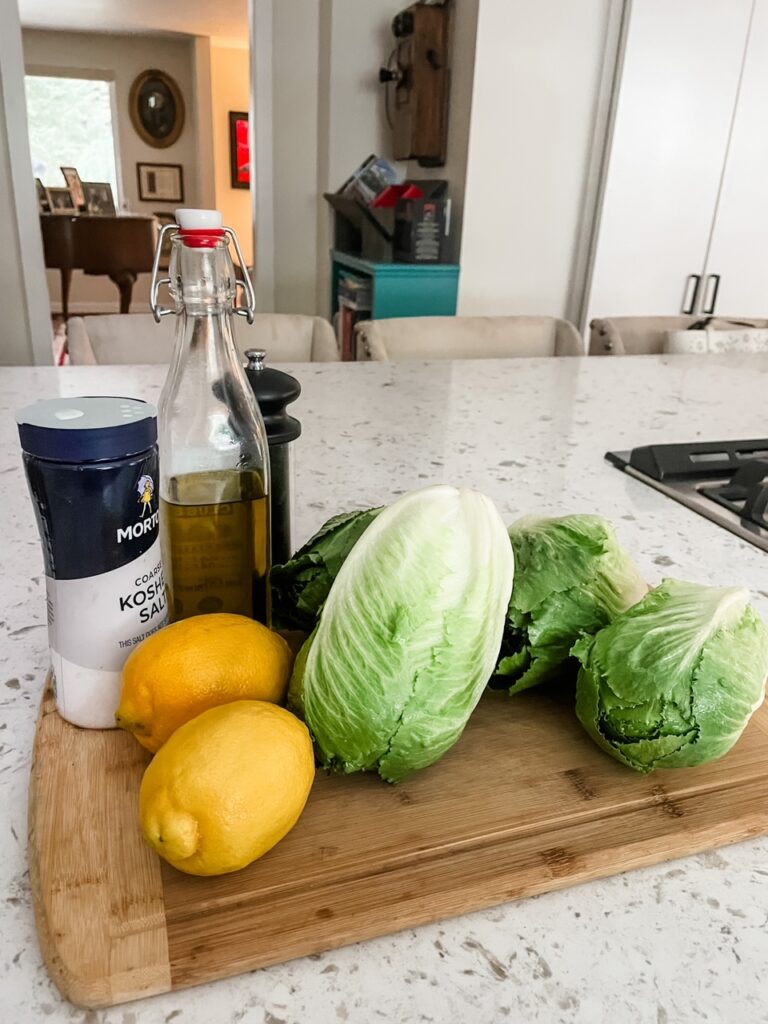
[408,635]
[571,577]
[301,585]
[673,681]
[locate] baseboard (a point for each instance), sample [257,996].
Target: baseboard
[90,308]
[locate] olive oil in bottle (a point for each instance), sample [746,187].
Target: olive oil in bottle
[214,461]
[216,544]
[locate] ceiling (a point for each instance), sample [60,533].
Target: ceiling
[226,21]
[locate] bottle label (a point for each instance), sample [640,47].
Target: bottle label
[95,518]
[93,625]
[104,575]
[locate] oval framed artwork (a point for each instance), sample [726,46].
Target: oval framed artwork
[156,108]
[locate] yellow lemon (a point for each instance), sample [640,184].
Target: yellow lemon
[196,664]
[226,787]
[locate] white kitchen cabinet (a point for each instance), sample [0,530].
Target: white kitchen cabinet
[677,93]
[736,267]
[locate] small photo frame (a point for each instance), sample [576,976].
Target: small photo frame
[43,206]
[61,200]
[99,201]
[239,150]
[75,185]
[160,183]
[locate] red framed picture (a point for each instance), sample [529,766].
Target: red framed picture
[239,150]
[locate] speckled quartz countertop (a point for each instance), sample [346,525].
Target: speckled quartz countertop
[685,941]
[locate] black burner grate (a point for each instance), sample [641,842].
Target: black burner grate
[724,481]
[745,494]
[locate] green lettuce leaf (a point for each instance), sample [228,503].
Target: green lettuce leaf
[301,585]
[571,578]
[673,681]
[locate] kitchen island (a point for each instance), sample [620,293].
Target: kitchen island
[682,941]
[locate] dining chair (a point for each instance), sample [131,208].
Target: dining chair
[136,338]
[649,335]
[466,337]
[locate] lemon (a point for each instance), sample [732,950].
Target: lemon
[196,664]
[226,787]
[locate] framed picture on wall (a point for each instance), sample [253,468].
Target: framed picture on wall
[99,201]
[75,185]
[239,150]
[157,108]
[163,183]
[61,200]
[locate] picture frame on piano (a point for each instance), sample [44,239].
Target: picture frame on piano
[99,200]
[61,200]
[43,206]
[75,185]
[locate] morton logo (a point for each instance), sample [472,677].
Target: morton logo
[146,489]
[148,520]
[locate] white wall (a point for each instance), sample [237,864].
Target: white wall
[356,41]
[203,113]
[526,78]
[321,112]
[537,72]
[121,58]
[295,71]
[262,153]
[359,41]
[318,114]
[25,330]
[230,90]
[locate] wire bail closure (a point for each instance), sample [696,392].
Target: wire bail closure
[159,311]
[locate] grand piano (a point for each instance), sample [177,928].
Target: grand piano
[120,247]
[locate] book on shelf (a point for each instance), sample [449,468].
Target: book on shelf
[354,300]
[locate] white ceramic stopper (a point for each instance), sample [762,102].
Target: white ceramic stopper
[197,220]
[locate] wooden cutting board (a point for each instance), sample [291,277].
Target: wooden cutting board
[523,804]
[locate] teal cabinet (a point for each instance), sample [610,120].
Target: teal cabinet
[401,289]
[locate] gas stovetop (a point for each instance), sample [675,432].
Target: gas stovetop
[726,481]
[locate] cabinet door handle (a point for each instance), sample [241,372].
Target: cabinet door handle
[689,304]
[713,295]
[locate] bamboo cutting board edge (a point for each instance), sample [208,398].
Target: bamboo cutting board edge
[412,859]
[147,929]
[96,917]
[481,883]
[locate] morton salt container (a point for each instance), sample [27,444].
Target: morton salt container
[92,470]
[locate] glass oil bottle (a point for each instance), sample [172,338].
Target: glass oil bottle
[214,461]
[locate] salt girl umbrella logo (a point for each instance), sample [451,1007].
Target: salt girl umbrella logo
[148,519]
[146,489]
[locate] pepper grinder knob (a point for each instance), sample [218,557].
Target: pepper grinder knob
[255,357]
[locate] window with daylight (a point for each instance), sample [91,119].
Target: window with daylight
[70,125]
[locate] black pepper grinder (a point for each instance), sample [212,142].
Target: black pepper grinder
[275,390]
